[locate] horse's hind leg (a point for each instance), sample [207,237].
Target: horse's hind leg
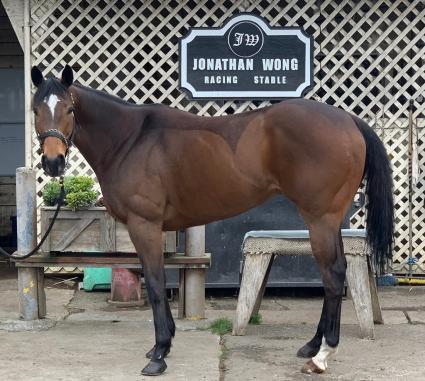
[147,239]
[311,348]
[326,243]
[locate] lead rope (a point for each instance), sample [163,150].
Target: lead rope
[33,251]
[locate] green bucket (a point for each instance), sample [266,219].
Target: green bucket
[97,278]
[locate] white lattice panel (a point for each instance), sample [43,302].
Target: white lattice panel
[368,59]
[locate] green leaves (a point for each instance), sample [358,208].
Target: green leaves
[79,193]
[51,193]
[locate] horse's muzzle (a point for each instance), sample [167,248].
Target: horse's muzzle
[53,167]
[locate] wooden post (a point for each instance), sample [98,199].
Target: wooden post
[253,277]
[358,281]
[260,296]
[376,306]
[32,300]
[194,280]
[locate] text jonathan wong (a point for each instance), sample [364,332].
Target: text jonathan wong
[244,64]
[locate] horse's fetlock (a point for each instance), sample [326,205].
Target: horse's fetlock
[332,341]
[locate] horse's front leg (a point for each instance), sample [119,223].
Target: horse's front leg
[147,239]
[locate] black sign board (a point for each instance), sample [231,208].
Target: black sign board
[246,59]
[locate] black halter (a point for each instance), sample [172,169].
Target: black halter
[57,134]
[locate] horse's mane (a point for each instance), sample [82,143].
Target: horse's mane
[110,97]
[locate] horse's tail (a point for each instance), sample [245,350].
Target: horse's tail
[379,194]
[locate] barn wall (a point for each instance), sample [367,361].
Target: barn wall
[11,123]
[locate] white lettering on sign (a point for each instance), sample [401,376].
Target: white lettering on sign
[269,80]
[248,39]
[283,64]
[220,79]
[223,64]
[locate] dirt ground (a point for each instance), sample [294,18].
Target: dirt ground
[87,339]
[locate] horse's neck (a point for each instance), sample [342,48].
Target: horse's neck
[102,127]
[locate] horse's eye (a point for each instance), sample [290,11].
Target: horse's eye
[71,109]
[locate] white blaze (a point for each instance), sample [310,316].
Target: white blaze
[52,102]
[325,353]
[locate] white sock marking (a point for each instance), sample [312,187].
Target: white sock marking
[52,102]
[325,353]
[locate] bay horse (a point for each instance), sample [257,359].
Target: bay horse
[163,169]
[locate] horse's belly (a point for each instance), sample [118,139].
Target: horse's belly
[209,206]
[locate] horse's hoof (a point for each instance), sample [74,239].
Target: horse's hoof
[149,354]
[307,351]
[154,368]
[310,367]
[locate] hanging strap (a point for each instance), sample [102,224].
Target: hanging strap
[33,251]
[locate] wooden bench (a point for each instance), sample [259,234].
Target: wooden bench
[32,299]
[259,249]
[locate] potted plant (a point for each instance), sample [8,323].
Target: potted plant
[79,192]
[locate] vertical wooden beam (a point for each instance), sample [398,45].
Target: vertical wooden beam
[181,313]
[31,300]
[358,281]
[195,278]
[108,234]
[27,83]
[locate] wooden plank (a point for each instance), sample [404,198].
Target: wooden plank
[358,281]
[170,244]
[123,241]
[108,234]
[73,233]
[260,296]
[182,286]
[376,306]
[252,278]
[135,266]
[5,224]
[44,225]
[8,180]
[67,228]
[89,259]
[41,295]
[7,194]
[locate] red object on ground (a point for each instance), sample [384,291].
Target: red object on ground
[126,286]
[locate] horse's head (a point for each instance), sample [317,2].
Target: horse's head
[54,118]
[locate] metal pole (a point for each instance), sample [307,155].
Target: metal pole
[27,79]
[31,292]
[195,278]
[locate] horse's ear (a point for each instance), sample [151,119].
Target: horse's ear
[36,76]
[67,76]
